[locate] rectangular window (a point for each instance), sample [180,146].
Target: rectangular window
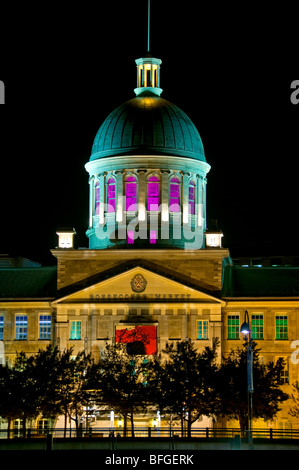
[233,327]
[257,326]
[45,327]
[281,327]
[21,327]
[75,329]
[1,327]
[202,329]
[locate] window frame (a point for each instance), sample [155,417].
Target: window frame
[176,184]
[234,334]
[192,202]
[111,182]
[76,332]
[281,335]
[47,328]
[257,334]
[153,179]
[19,327]
[203,326]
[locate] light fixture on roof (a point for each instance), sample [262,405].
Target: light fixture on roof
[214,236]
[66,238]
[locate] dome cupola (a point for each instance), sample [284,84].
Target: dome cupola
[147,173]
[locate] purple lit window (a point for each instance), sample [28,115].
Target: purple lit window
[192,198]
[174,202]
[111,195]
[131,194]
[97,198]
[153,194]
[130,237]
[153,236]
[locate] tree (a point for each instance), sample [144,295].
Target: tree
[294,411]
[232,386]
[183,381]
[69,394]
[119,382]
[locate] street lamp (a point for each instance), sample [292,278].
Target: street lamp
[245,330]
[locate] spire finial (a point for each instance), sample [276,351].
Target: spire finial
[148,24]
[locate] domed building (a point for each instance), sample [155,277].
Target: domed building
[151,265]
[147,173]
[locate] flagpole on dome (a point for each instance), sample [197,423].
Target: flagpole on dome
[148,24]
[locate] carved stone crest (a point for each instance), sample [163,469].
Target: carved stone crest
[138,283]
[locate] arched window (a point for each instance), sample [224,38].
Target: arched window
[111,195]
[191,197]
[97,198]
[153,193]
[131,194]
[174,200]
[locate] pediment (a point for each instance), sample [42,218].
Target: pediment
[138,284]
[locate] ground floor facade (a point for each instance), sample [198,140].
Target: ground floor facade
[170,294]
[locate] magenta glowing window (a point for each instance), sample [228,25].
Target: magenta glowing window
[97,198]
[111,195]
[130,237]
[131,194]
[174,201]
[153,194]
[192,197]
[153,236]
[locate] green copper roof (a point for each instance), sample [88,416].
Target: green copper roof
[148,125]
[21,283]
[260,282]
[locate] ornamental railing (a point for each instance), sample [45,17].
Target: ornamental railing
[175,433]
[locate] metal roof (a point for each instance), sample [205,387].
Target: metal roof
[28,283]
[148,125]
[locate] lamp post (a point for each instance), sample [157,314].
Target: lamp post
[245,329]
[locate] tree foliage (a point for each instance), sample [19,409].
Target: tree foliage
[294,411]
[183,381]
[119,382]
[232,386]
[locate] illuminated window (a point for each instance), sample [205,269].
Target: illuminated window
[257,327]
[281,327]
[192,197]
[131,193]
[45,327]
[153,193]
[97,198]
[111,195]
[153,236]
[174,200]
[1,327]
[233,327]
[75,329]
[202,329]
[130,237]
[21,327]
[285,372]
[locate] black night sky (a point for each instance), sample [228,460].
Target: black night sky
[230,68]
